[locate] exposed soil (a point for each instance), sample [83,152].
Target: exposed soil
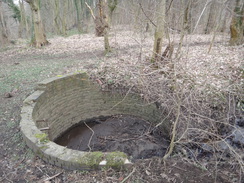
[21,67]
[128,134]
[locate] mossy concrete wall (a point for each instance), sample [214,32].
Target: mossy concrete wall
[61,102]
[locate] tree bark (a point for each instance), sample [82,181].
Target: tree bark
[112,4]
[24,30]
[77,4]
[101,22]
[103,17]
[3,29]
[39,39]
[211,18]
[185,24]
[64,21]
[159,32]
[56,4]
[237,25]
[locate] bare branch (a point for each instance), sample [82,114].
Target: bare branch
[92,14]
[146,15]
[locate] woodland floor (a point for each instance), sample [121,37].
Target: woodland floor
[21,67]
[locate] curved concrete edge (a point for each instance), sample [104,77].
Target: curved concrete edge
[58,155]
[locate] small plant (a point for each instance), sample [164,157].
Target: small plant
[43,137]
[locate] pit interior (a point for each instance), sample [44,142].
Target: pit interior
[64,103]
[136,137]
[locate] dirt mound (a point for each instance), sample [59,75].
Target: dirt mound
[128,134]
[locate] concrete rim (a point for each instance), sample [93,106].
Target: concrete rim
[39,141]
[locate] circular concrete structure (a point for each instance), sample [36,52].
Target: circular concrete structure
[62,102]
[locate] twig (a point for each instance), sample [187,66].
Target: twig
[42,171]
[172,142]
[41,120]
[92,14]
[162,121]
[125,179]
[169,6]
[179,168]
[50,178]
[45,128]
[21,160]
[217,26]
[147,16]
[124,140]
[88,145]
[5,177]
[122,99]
[201,15]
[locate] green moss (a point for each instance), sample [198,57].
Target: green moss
[44,147]
[80,71]
[43,138]
[116,159]
[91,159]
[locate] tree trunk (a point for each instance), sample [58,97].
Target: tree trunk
[39,34]
[159,32]
[64,21]
[3,29]
[211,18]
[185,24]
[103,23]
[237,25]
[24,30]
[112,4]
[56,9]
[77,4]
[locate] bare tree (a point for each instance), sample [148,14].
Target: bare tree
[77,4]
[211,17]
[101,22]
[112,4]
[24,30]
[159,32]
[104,23]
[237,24]
[56,9]
[64,20]
[185,23]
[3,29]
[39,39]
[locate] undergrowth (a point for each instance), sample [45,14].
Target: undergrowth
[203,108]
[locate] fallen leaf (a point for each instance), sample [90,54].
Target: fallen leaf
[147,172]
[9,95]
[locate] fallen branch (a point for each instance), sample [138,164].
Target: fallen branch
[50,178]
[125,179]
[43,129]
[88,145]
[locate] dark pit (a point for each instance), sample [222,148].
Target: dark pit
[129,134]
